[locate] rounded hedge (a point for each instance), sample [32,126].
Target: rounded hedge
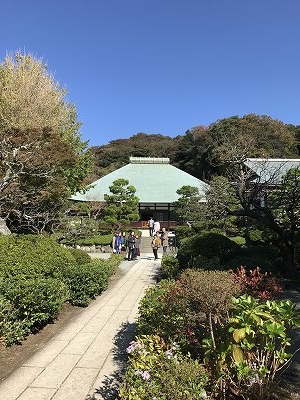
[32,255]
[208,245]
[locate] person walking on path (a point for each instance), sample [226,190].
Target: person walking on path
[124,244]
[131,246]
[164,240]
[138,238]
[150,226]
[155,244]
[118,243]
[156,227]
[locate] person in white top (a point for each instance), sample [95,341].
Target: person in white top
[156,227]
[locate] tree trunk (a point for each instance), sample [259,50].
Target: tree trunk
[287,251]
[3,227]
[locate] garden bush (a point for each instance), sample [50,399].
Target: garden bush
[257,284]
[169,266]
[207,245]
[37,276]
[162,311]
[80,256]
[86,281]
[267,258]
[32,255]
[158,371]
[209,292]
[28,305]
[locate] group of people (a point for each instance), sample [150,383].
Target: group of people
[129,245]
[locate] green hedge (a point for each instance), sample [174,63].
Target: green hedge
[31,255]
[87,281]
[37,276]
[206,246]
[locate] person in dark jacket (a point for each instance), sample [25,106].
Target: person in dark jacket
[131,246]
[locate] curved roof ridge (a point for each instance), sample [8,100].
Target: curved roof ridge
[149,160]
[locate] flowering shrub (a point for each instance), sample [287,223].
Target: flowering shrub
[163,311]
[160,372]
[257,284]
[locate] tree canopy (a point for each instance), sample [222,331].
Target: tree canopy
[122,204]
[43,159]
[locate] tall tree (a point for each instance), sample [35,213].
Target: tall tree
[272,202]
[43,159]
[188,207]
[122,204]
[234,139]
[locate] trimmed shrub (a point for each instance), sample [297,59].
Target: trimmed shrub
[86,281]
[80,256]
[169,266]
[208,245]
[162,311]
[31,255]
[29,304]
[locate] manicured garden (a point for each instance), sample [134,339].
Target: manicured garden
[208,331]
[37,276]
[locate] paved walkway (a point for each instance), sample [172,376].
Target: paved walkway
[84,360]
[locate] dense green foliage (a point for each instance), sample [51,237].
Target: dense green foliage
[37,276]
[122,204]
[197,151]
[161,371]
[226,346]
[116,153]
[207,245]
[169,267]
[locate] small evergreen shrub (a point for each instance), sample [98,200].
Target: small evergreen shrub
[86,281]
[29,304]
[32,255]
[162,311]
[169,266]
[207,245]
[80,256]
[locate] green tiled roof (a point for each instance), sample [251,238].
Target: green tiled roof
[155,180]
[271,170]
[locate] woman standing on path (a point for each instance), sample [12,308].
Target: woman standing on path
[164,240]
[155,244]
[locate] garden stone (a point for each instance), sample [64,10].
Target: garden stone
[3,228]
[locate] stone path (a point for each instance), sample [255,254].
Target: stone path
[85,360]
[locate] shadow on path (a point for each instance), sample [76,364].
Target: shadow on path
[110,384]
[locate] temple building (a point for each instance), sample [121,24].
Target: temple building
[156,183]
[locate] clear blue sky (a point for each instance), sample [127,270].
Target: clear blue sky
[162,66]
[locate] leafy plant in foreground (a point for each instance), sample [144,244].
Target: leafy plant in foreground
[254,347]
[161,372]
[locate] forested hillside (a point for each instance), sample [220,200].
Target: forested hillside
[204,151]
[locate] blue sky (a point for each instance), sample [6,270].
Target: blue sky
[162,66]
